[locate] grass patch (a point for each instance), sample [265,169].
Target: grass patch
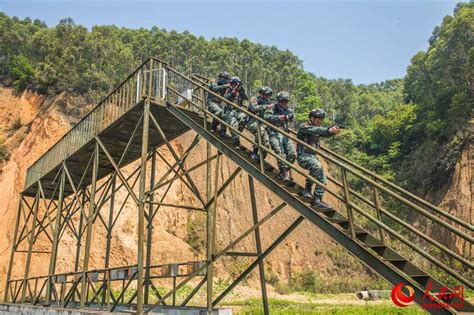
[308,280]
[281,307]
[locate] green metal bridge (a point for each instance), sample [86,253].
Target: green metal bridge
[74,183]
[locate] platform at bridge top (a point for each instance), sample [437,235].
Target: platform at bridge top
[115,139]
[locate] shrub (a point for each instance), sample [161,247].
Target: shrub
[305,280]
[195,229]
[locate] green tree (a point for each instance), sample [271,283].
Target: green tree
[22,72]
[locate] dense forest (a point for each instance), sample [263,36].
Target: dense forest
[392,125]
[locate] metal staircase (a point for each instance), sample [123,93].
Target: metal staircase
[372,250]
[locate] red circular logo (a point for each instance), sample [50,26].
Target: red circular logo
[400,298]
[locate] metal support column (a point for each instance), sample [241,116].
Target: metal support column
[149,226]
[105,284]
[89,221]
[258,244]
[57,228]
[79,235]
[13,249]
[31,241]
[211,239]
[141,205]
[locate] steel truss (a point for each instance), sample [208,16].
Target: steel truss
[83,211]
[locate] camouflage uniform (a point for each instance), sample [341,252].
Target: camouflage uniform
[310,134]
[258,109]
[214,104]
[280,145]
[233,116]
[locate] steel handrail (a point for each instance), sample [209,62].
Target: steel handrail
[106,100]
[342,165]
[370,173]
[358,209]
[99,270]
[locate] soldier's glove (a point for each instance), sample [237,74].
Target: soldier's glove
[335,130]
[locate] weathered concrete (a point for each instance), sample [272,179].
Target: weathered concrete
[40,310]
[6,308]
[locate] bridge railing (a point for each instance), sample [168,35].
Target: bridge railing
[371,207]
[147,79]
[106,287]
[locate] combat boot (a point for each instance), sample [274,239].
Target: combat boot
[237,145]
[285,176]
[282,173]
[318,203]
[223,132]
[214,125]
[254,155]
[306,192]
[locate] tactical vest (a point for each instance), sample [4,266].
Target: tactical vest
[258,109]
[237,97]
[263,101]
[310,139]
[213,87]
[279,110]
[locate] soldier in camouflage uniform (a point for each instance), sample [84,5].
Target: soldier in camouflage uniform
[258,106]
[310,132]
[213,103]
[233,116]
[280,115]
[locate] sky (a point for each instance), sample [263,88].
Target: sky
[366,41]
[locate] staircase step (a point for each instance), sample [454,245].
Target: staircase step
[419,277]
[376,245]
[326,212]
[338,220]
[413,272]
[388,254]
[408,268]
[395,259]
[369,240]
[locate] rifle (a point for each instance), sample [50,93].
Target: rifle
[340,126]
[289,118]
